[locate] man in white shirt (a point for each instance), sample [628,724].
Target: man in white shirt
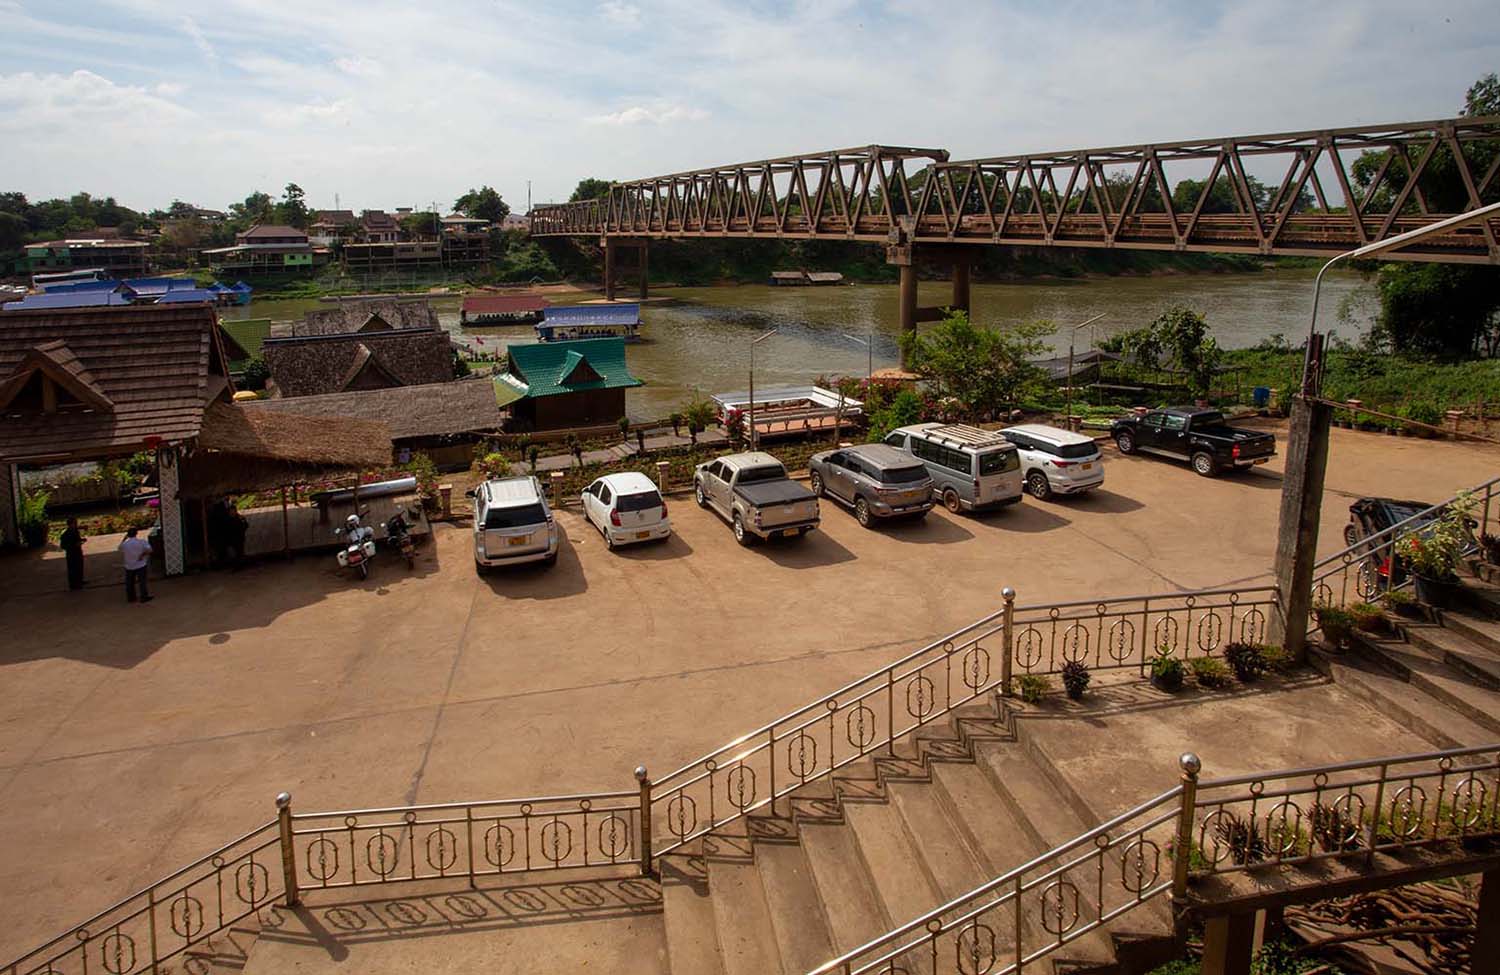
[137,555]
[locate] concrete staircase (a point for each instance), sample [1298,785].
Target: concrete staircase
[839,863]
[1437,670]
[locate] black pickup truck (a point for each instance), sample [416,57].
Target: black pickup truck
[1197,435]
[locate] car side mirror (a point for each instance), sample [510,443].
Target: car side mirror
[469,493]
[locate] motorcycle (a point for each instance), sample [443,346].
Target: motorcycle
[359,546]
[398,534]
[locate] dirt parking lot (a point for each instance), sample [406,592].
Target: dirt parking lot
[133,738]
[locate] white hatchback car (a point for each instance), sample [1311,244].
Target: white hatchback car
[626,508]
[1056,461]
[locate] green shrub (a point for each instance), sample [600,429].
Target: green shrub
[1335,622]
[1424,411]
[1277,659]
[1246,660]
[1399,601]
[1209,672]
[1367,616]
[31,519]
[1166,670]
[1034,687]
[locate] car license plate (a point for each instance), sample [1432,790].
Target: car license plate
[788,532]
[1087,467]
[642,534]
[518,540]
[1261,460]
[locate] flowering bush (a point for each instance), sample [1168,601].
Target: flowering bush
[1434,553]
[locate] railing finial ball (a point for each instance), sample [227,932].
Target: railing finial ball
[283,800]
[1190,763]
[1008,593]
[640,773]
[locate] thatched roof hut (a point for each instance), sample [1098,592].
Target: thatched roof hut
[240,450]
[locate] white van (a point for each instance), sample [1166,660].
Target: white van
[972,469]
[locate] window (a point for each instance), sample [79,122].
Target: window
[604,493]
[1152,420]
[897,440]
[767,472]
[953,460]
[1174,424]
[904,475]
[998,462]
[716,469]
[594,488]
[520,516]
[838,458]
[1074,451]
[1021,441]
[644,501]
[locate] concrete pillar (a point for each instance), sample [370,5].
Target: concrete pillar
[908,303]
[645,248]
[609,269]
[960,300]
[1297,531]
[10,505]
[168,463]
[1484,956]
[1228,944]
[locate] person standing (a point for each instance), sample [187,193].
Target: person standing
[72,545]
[136,552]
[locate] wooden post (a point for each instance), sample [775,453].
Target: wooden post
[1297,530]
[1484,956]
[203,528]
[286,531]
[1227,944]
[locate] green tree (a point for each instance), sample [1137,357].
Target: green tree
[482,204]
[590,189]
[1177,340]
[13,233]
[256,208]
[983,369]
[422,224]
[292,210]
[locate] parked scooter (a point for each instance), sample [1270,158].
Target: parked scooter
[359,547]
[398,534]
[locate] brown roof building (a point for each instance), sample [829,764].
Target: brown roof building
[350,317]
[309,365]
[379,227]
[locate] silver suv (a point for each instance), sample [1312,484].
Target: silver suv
[875,479]
[512,523]
[1056,461]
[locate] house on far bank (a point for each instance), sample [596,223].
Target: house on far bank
[566,384]
[358,346]
[328,227]
[516,221]
[111,255]
[379,227]
[267,249]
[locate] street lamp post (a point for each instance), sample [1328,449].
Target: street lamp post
[755,440]
[1072,340]
[869,344]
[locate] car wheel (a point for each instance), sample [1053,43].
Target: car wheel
[1204,466]
[550,560]
[1351,536]
[609,542]
[740,535]
[481,570]
[1038,485]
[364,570]
[801,532]
[816,484]
[952,502]
[1125,442]
[862,513]
[699,496]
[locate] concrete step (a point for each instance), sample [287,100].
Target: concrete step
[747,936]
[855,914]
[1478,629]
[952,865]
[1395,698]
[227,953]
[1479,705]
[795,905]
[688,914]
[987,822]
[1444,642]
[901,881]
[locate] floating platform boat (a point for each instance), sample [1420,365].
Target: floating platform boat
[568,322]
[483,309]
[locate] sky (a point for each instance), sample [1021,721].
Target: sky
[392,103]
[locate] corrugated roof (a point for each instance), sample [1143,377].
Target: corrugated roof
[68,299]
[249,333]
[545,368]
[158,366]
[72,287]
[430,410]
[503,304]
[156,287]
[188,294]
[629,314]
[271,230]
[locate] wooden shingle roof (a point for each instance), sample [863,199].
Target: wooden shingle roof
[149,370]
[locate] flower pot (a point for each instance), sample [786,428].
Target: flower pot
[1437,593]
[1168,684]
[1074,693]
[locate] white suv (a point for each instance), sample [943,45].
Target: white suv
[1055,461]
[512,524]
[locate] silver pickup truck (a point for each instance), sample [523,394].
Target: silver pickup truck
[753,492]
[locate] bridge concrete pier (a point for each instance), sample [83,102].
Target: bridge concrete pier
[613,270]
[905,257]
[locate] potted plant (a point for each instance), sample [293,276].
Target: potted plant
[1166,670]
[1367,617]
[1336,623]
[1075,678]
[1490,546]
[31,520]
[532,451]
[1433,554]
[624,424]
[1033,687]
[1209,672]
[1400,602]
[1246,660]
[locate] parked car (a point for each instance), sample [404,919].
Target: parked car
[1197,435]
[512,523]
[1056,461]
[626,508]
[751,490]
[972,469]
[875,479]
[1369,517]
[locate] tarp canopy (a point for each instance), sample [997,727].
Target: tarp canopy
[629,314]
[68,299]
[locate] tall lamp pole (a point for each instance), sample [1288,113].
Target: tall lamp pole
[754,439]
[869,344]
[1072,340]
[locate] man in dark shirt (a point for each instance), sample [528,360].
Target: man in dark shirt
[72,545]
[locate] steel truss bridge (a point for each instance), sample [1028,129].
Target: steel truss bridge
[1119,197]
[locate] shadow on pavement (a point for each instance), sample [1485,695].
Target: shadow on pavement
[538,580]
[1025,516]
[1102,501]
[935,529]
[671,547]
[809,551]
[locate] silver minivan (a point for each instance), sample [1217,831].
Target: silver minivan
[512,524]
[972,469]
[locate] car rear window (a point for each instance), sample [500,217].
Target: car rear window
[1073,451]
[770,472]
[904,475]
[520,516]
[998,462]
[638,502]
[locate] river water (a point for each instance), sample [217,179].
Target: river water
[699,339]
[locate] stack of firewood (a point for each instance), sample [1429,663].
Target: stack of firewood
[1427,925]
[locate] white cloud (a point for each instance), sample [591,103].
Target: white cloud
[200,40]
[642,115]
[360,66]
[621,14]
[168,89]
[310,112]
